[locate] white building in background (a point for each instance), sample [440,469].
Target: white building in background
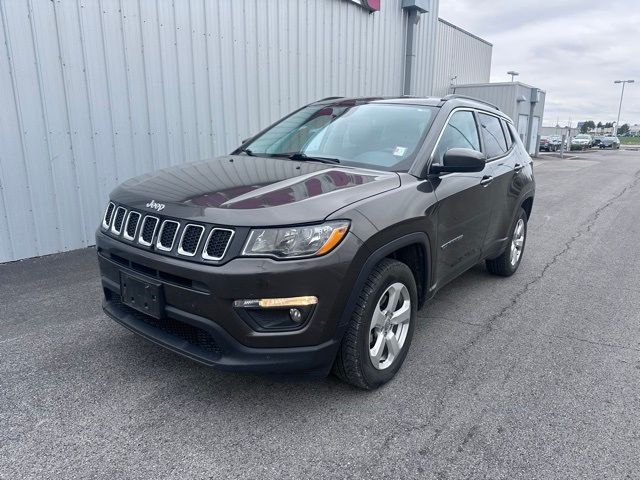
[93,93]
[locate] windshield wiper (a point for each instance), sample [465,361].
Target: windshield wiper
[247,151]
[304,157]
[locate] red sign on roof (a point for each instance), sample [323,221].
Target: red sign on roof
[372,5]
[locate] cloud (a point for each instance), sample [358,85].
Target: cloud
[573,50]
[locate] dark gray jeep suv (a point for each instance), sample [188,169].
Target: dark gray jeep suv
[312,246]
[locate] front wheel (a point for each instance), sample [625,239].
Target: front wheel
[379,334]
[506,264]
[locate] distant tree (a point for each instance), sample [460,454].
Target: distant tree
[623,129]
[586,126]
[608,125]
[600,126]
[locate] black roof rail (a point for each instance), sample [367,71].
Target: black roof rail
[453,96]
[327,98]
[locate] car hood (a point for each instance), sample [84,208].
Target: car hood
[241,190]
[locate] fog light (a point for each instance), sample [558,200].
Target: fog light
[295,314]
[273,314]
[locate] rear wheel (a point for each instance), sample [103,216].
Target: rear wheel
[381,328]
[506,264]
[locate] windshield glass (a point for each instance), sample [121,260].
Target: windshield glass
[383,136]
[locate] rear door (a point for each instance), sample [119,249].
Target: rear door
[464,204]
[503,163]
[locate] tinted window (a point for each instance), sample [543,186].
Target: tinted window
[507,134]
[374,135]
[514,135]
[460,132]
[493,136]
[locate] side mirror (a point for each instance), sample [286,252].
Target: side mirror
[460,160]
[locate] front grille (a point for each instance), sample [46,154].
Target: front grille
[217,244]
[118,220]
[190,240]
[132,225]
[193,335]
[148,230]
[167,235]
[106,221]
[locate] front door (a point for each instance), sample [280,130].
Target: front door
[464,202]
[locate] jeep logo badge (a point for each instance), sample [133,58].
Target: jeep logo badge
[155,205]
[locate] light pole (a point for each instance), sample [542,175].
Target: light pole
[452,83]
[513,74]
[615,132]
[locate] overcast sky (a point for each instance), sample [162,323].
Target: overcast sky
[572,49]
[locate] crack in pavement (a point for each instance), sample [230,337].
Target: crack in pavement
[448,319]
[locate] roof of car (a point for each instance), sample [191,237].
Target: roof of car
[459,100]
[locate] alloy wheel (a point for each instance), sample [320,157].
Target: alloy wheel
[389,325]
[517,242]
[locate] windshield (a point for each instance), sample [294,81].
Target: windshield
[582,136]
[382,136]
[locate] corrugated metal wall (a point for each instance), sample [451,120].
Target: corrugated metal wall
[501,94]
[426,51]
[459,53]
[93,92]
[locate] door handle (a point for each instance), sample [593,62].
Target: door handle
[486,180]
[517,167]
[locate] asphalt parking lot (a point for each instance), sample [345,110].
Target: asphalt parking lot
[535,376]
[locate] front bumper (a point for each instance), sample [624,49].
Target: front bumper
[201,323]
[208,343]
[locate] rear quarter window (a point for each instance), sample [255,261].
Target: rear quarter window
[507,134]
[494,142]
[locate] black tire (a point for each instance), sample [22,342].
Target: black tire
[353,363]
[503,265]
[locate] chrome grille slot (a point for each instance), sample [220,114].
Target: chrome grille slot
[167,235]
[217,243]
[190,239]
[148,230]
[132,225]
[106,220]
[118,220]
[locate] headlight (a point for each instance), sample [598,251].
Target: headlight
[294,242]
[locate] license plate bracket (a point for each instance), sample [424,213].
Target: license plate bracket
[142,295]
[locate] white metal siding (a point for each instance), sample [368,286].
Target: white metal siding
[459,53]
[93,92]
[501,94]
[426,46]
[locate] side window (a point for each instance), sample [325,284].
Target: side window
[507,134]
[493,136]
[460,132]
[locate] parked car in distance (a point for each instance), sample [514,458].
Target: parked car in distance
[550,143]
[610,142]
[311,247]
[582,140]
[545,143]
[597,140]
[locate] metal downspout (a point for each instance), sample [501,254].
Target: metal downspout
[413,19]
